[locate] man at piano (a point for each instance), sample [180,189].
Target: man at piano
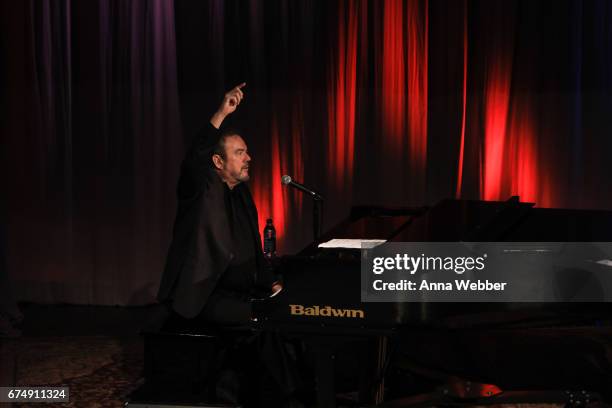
[215,263]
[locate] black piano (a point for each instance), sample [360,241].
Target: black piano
[530,346]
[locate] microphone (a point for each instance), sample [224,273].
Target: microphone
[287,181]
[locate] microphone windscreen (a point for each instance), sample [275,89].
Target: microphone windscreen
[286,179]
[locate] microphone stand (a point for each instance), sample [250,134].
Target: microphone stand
[317,205]
[317,216]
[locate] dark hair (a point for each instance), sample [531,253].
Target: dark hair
[220,146]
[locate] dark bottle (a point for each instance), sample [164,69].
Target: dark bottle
[269,239]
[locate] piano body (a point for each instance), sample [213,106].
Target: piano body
[561,346]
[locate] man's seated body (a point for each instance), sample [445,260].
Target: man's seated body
[215,263]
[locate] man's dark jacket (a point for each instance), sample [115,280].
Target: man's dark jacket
[202,245]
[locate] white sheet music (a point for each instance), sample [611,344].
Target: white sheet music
[351,243]
[605,262]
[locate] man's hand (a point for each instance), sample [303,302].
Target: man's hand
[276,288]
[230,102]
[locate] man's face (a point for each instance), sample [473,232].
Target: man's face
[235,168]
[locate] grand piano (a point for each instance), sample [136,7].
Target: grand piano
[515,346]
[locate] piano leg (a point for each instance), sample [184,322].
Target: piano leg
[372,382]
[371,387]
[323,351]
[381,365]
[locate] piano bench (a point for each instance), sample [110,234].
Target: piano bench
[181,363]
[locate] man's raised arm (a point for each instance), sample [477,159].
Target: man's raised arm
[230,102]
[208,136]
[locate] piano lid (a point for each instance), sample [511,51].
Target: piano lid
[472,221]
[510,221]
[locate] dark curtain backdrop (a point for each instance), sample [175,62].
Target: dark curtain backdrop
[92,143]
[395,102]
